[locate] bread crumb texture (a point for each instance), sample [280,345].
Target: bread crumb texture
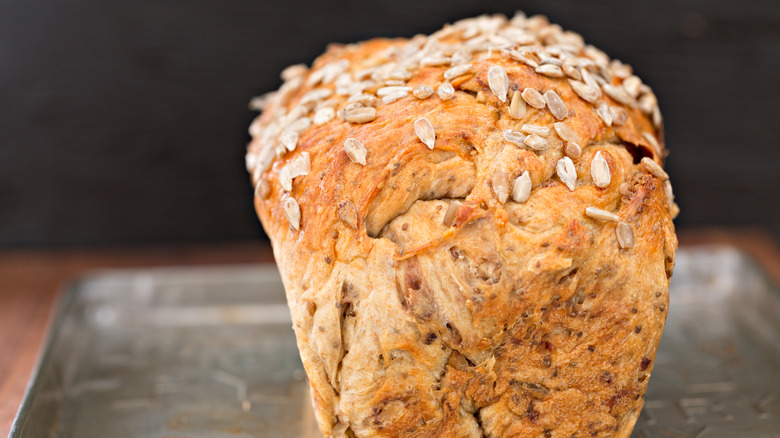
[474,230]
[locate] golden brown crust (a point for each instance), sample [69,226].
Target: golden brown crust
[428,304]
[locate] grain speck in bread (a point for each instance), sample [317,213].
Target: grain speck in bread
[470,226]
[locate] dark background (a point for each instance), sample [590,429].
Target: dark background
[124,122]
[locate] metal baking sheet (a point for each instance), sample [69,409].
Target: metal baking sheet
[208,352]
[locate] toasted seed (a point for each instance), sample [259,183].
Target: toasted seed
[363,114]
[573,150]
[536,142]
[324,115]
[514,137]
[348,213]
[567,173]
[400,74]
[262,189]
[555,104]
[541,131]
[425,132]
[435,61]
[385,91]
[632,85]
[293,212]
[458,70]
[461,56]
[258,103]
[315,95]
[517,106]
[363,99]
[500,184]
[599,171]
[423,91]
[625,235]
[355,150]
[669,194]
[294,71]
[564,132]
[498,82]
[675,210]
[617,93]
[602,110]
[300,125]
[653,142]
[619,115]
[654,168]
[521,189]
[445,91]
[550,70]
[451,213]
[533,98]
[289,139]
[392,97]
[588,93]
[602,215]
[572,72]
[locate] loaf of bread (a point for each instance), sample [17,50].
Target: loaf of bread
[474,230]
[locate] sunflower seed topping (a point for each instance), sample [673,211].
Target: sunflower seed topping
[361,114]
[599,171]
[572,72]
[293,212]
[573,150]
[517,106]
[498,82]
[588,93]
[425,132]
[445,91]
[550,70]
[514,137]
[324,115]
[654,168]
[602,215]
[566,172]
[363,99]
[348,213]
[289,139]
[521,189]
[617,93]
[423,91]
[632,84]
[392,97]
[462,56]
[564,132]
[653,142]
[386,91]
[316,95]
[541,131]
[619,115]
[536,142]
[533,98]
[262,189]
[555,104]
[500,184]
[602,110]
[294,71]
[458,70]
[625,235]
[669,194]
[451,213]
[355,150]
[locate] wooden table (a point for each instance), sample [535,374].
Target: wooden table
[30,280]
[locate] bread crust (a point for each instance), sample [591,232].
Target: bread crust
[426,302]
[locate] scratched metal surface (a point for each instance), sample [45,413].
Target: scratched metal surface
[209,353]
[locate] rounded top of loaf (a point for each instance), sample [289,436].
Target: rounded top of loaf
[512,118]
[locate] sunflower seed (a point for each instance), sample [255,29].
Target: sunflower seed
[294,71]
[451,213]
[262,189]
[669,194]
[617,93]
[654,168]
[588,93]
[498,82]
[647,102]
[423,91]
[619,115]
[602,215]
[324,115]
[348,213]
[550,70]
[392,97]
[355,150]
[514,137]
[315,95]
[458,70]
[500,184]
[461,56]
[445,91]
[425,132]
[564,132]
[566,172]
[675,210]
[435,61]
[363,99]
[521,189]
[536,142]
[653,142]
[533,98]
[300,125]
[517,106]
[599,171]
[555,104]
[541,131]
[258,103]
[604,113]
[625,235]
[550,60]
[572,72]
[573,150]
[285,178]
[360,114]
[289,139]
[293,212]
[386,91]
[400,75]
[632,84]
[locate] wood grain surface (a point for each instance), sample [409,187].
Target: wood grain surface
[32,279]
[125,122]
